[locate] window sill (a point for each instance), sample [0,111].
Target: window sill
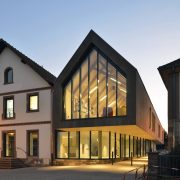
[32,111]
[10,118]
[8,83]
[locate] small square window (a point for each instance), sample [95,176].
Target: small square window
[33,102]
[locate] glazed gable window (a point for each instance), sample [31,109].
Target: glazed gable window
[33,102]
[8,76]
[96,89]
[8,107]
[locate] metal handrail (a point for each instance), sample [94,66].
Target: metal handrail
[136,172]
[19,148]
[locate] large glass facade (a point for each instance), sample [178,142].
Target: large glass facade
[67,101]
[95,145]
[126,146]
[85,144]
[75,96]
[105,145]
[118,145]
[84,90]
[112,145]
[74,144]
[121,95]
[111,90]
[99,145]
[93,85]
[122,145]
[62,145]
[97,89]
[102,87]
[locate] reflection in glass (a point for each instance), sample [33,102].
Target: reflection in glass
[122,146]
[102,87]
[112,145]
[74,145]
[127,146]
[111,90]
[84,89]
[105,144]
[131,145]
[67,103]
[93,85]
[135,146]
[95,145]
[75,96]
[84,144]
[117,145]
[62,145]
[121,95]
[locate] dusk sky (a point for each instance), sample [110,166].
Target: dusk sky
[146,33]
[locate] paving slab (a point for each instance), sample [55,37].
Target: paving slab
[83,172]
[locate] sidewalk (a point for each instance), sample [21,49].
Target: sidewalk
[83,172]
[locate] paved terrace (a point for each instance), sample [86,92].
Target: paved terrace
[84,172]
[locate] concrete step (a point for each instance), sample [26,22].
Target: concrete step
[12,163]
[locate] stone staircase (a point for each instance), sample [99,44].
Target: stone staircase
[12,163]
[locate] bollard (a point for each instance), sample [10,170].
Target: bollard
[131,158]
[112,157]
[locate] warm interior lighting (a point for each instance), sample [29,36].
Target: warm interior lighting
[115,80]
[123,90]
[112,103]
[104,97]
[92,90]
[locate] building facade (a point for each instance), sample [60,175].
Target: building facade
[98,107]
[101,107]
[25,106]
[170,74]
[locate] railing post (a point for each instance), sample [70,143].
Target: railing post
[112,158]
[144,169]
[131,158]
[136,174]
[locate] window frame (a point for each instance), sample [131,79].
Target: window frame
[6,76]
[78,68]
[4,115]
[28,96]
[28,142]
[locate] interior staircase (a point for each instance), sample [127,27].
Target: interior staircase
[12,163]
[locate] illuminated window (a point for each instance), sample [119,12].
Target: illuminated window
[33,102]
[67,101]
[9,107]
[62,145]
[96,89]
[84,144]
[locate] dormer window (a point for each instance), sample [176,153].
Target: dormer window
[8,76]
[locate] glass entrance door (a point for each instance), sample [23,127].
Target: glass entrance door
[9,144]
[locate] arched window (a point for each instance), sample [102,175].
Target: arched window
[8,76]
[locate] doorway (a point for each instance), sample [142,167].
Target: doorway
[8,139]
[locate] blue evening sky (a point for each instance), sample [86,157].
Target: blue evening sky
[146,33]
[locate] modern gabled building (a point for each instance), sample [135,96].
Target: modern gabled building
[102,107]
[170,74]
[97,108]
[25,106]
